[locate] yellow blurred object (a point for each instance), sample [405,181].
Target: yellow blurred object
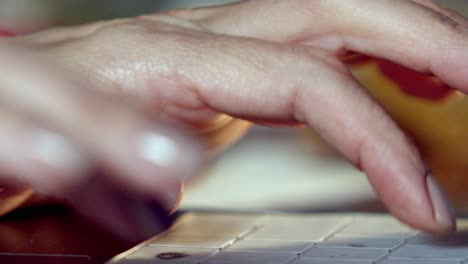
[12,198]
[439,127]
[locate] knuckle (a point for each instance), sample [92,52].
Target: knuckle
[172,22]
[307,5]
[450,25]
[249,56]
[122,31]
[317,60]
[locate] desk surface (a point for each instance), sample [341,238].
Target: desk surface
[53,231]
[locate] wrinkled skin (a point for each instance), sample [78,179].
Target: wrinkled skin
[194,75]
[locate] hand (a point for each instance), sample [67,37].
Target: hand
[55,133]
[276,62]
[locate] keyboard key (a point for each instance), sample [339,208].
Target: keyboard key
[345,253]
[250,258]
[222,217]
[290,234]
[308,219]
[192,241]
[171,254]
[298,228]
[221,225]
[308,222]
[455,240]
[462,224]
[381,226]
[269,246]
[151,261]
[362,242]
[420,261]
[209,228]
[430,252]
[330,261]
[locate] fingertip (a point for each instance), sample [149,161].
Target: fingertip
[129,217]
[154,160]
[176,153]
[399,176]
[443,211]
[57,165]
[158,149]
[413,196]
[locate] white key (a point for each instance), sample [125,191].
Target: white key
[222,225]
[462,225]
[222,218]
[134,261]
[345,253]
[431,252]
[269,246]
[294,231]
[290,234]
[152,261]
[421,261]
[209,228]
[251,258]
[385,227]
[170,254]
[192,241]
[308,219]
[330,261]
[362,242]
[458,240]
[376,218]
[307,222]
[298,228]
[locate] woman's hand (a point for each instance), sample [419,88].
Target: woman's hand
[55,133]
[270,62]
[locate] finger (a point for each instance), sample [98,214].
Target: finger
[130,217]
[33,155]
[36,157]
[401,31]
[144,158]
[451,14]
[57,35]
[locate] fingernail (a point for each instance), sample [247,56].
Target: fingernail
[130,217]
[158,149]
[54,150]
[171,196]
[175,156]
[58,154]
[443,210]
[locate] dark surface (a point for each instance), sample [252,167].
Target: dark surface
[46,234]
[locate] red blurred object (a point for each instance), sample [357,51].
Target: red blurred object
[411,82]
[415,83]
[4,33]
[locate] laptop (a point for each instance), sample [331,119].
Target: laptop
[310,238]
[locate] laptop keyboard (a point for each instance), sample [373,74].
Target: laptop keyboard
[297,239]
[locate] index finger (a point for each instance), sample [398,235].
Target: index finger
[404,32]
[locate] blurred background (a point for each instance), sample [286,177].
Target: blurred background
[270,169]
[24,15]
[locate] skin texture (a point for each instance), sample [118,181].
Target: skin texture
[101,86]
